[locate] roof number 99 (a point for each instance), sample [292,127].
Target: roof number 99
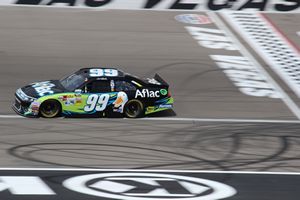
[103,72]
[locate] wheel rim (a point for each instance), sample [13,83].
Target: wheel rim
[50,109]
[133,109]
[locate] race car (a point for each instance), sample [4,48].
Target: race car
[99,92]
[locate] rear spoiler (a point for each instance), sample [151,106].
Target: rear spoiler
[161,80]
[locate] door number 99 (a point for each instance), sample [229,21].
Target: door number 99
[96,102]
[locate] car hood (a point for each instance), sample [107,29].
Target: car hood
[43,88]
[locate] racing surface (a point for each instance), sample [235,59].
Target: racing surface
[41,44]
[114,143]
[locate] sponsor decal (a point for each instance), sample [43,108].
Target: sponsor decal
[214,5]
[148,186]
[112,85]
[145,93]
[78,99]
[34,107]
[165,106]
[120,102]
[153,81]
[163,91]
[150,108]
[193,19]
[43,88]
[71,99]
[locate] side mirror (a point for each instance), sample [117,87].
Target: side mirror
[78,91]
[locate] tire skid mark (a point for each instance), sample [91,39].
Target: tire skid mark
[199,146]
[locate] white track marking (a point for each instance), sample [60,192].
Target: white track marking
[285,98]
[151,170]
[222,120]
[188,119]
[11,116]
[282,57]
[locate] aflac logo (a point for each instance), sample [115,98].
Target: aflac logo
[43,88]
[148,186]
[146,93]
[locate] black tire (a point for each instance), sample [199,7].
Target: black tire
[134,109]
[50,109]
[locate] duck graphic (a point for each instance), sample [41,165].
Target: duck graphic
[120,102]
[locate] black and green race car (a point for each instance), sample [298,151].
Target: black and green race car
[94,92]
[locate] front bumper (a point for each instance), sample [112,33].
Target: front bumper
[23,108]
[17,110]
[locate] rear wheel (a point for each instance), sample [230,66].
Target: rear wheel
[134,109]
[50,109]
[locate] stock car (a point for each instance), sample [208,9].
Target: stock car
[94,91]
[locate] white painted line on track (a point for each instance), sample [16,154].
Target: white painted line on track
[189,119]
[151,170]
[280,33]
[285,98]
[221,120]
[275,49]
[11,116]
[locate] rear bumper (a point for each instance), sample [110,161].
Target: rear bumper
[163,104]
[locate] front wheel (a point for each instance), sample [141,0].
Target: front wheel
[134,109]
[50,109]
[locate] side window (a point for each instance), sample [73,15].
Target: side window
[124,86]
[98,86]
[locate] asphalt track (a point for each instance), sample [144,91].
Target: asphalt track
[41,44]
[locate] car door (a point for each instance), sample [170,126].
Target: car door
[98,96]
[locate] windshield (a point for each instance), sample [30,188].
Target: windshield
[73,81]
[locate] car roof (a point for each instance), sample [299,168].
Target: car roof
[119,73]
